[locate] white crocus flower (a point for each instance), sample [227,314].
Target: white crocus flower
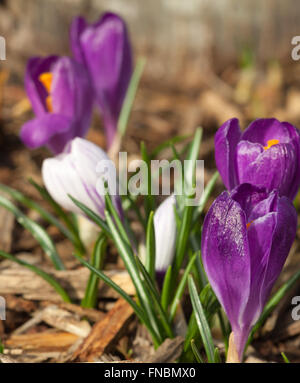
[165,234]
[81,171]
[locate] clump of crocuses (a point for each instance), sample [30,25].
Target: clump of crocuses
[266,154]
[104,49]
[247,235]
[60,94]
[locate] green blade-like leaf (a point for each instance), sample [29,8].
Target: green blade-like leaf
[57,208]
[127,256]
[47,277]
[165,294]
[201,321]
[273,302]
[205,196]
[93,216]
[139,312]
[196,352]
[130,96]
[156,298]
[38,232]
[150,247]
[181,287]
[91,292]
[168,143]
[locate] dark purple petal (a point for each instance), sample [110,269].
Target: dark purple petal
[34,88]
[77,28]
[109,61]
[226,140]
[248,196]
[283,237]
[274,168]
[39,131]
[226,257]
[264,129]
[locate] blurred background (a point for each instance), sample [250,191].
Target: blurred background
[206,62]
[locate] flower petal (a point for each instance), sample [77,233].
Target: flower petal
[41,130]
[165,234]
[226,257]
[226,140]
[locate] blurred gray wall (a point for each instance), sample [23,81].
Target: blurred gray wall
[165,30]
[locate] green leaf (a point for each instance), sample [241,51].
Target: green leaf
[166,288]
[170,142]
[29,203]
[130,96]
[139,312]
[127,256]
[111,208]
[272,303]
[156,299]
[93,216]
[47,277]
[196,352]
[205,196]
[38,232]
[285,358]
[148,198]
[217,358]
[150,247]
[91,292]
[201,321]
[181,287]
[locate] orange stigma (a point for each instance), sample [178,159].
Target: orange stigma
[271,143]
[46,80]
[248,225]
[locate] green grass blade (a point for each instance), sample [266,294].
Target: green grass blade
[93,216]
[128,258]
[48,278]
[38,232]
[91,292]
[273,302]
[201,321]
[156,299]
[139,312]
[130,96]
[196,352]
[166,288]
[150,247]
[181,287]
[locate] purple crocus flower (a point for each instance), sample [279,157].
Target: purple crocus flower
[61,97]
[81,171]
[266,154]
[104,48]
[247,235]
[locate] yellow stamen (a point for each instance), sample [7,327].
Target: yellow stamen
[46,80]
[271,143]
[49,104]
[248,224]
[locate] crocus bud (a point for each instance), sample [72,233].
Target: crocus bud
[266,154]
[81,171]
[165,236]
[61,97]
[247,235]
[104,48]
